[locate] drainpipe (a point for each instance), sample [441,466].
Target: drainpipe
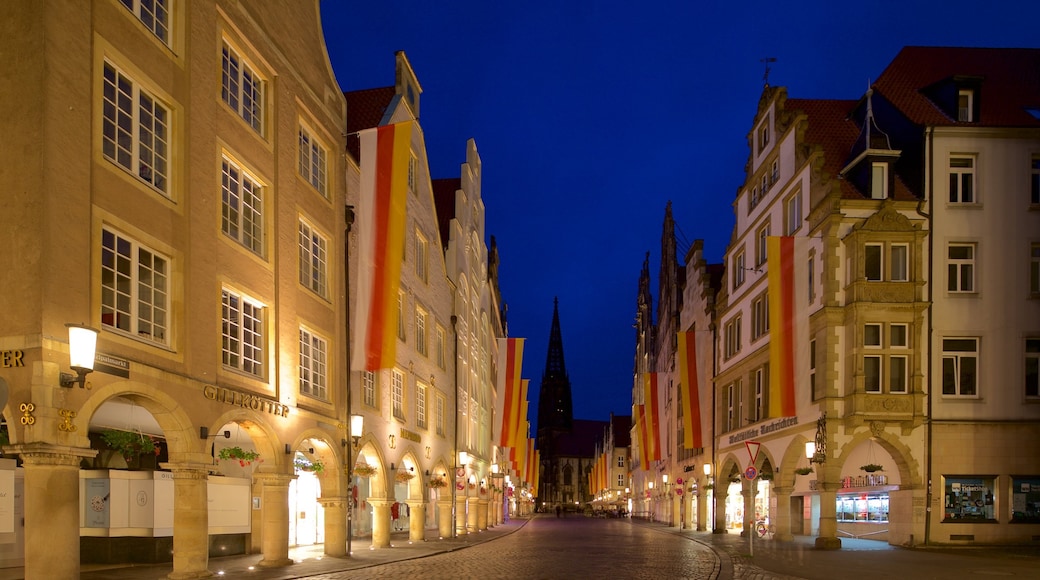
[455,452]
[929,188]
[349,218]
[714,426]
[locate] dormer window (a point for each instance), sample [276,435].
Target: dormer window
[966,106]
[763,136]
[878,180]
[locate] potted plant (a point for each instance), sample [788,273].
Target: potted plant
[316,466]
[403,476]
[766,476]
[129,445]
[438,482]
[709,486]
[364,470]
[803,470]
[871,467]
[236,453]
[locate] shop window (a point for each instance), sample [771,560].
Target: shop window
[872,508]
[968,498]
[1025,500]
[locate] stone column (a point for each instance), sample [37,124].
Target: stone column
[719,498]
[444,525]
[275,503]
[335,525]
[828,538]
[460,515]
[781,518]
[416,521]
[471,516]
[701,508]
[190,520]
[482,513]
[748,526]
[380,522]
[52,508]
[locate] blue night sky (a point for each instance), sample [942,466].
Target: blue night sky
[590,116]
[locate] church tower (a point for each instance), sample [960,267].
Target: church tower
[555,411]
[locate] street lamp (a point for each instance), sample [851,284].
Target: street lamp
[357,424]
[82,345]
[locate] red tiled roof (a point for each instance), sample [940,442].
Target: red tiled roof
[1010,83]
[831,128]
[365,109]
[444,203]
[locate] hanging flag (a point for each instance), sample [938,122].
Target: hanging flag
[507,404]
[690,393]
[385,153]
[641,434]
[787,261]
[653,408]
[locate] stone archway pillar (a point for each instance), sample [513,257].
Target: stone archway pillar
[380,522]
[460,515]
[335,525]
[720,496]
[828,538]
[444,525]
[416,521]
[781,517]
[701,522]
[190,520]
[52,509]
[471,516]
[275,494]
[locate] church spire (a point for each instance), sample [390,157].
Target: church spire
[554,365]
[555,411]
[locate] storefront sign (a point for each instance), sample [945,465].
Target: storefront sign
[763,430]
[111,365]
[11,358]
[411,436]
[254,402]
[864,480]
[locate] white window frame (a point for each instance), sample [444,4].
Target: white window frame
[774,171]
[960,272]
[242,88]
[811,272]
[875,273]
[242,331]
[763,135]
[878,180]
[368,388]
[761,244]
[420,331]
[313,162]
[242,206]
[134,117]
[314,259]
[966,106]
[154,15]
[397,394]
[413,164]
[793,214]
[420,405]
[421,260]
[733,336]
[759,317]
[962,180]
[135,288]
[872,373]
[897,373]
[739,269]
[812,369]
[400,316]
[439,416]
[899,262]
[954,361]
[440,346]
[731,403]
[314,356]
[872,329]
[760,393]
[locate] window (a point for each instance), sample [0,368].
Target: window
[368,388]
[400,315]
[965,105]
[962,180]
[313,260]
[774,171]
[897,336]
[439,417]
[620,460]
[812,370]
[1034,269]
[811,270]
[872,335]
[873,262]
[882,367]
[420,331]
[763,136]
[793,213]
[154,14]
[242,333]
[761,238]
[738,270]
[871,508]
[759,317]
[1033,367]
[878,180]
[440,346]
[960,366]
[242,89]
[135,286]
[135,129]
[242,207]
[754,197]
[313,365]
[621,480]
[961,268]
[420,256]
[420,405]
[968,498]
[313,161]
[731,404]
[412,164]
[897,373]
[1034,180]
[898,265]
[397,394]
[760,393]
[765,184]
[733,336]
[872,374]
[1025,499]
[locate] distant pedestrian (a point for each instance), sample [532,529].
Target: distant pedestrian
[395,512]
[558,511]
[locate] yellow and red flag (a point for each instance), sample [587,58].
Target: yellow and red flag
[641,434]
[507,405]
[787,261]
[653,392]
[385,153]
[690,393]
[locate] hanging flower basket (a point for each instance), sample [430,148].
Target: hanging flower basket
[871,467]
[803,470]
[709,486]
[129,445]
[438,483]
[364,470]
[315,466]
[403,476]
[236,453]
[766,476]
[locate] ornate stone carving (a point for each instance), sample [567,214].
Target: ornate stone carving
[67,416]
[877,428]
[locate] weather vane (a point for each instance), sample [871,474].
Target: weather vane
[767,60]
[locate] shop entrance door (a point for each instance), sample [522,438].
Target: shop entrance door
[797,515]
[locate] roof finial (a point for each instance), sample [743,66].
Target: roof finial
[765,77]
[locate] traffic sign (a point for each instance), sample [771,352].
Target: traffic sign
[752,449]
[751,472]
